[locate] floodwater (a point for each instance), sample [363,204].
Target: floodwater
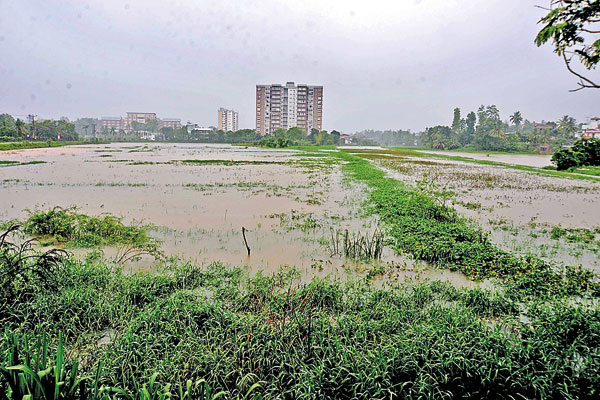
[531,160]
[290,204]
[519,209]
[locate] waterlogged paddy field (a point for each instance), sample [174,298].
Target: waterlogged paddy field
[555,218]
[198,198]
[532,160]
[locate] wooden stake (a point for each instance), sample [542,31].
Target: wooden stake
[245,241]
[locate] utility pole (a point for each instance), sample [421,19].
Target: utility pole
[31,118]
[94,130]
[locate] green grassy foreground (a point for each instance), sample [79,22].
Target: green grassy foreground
[209,330]
[50,143]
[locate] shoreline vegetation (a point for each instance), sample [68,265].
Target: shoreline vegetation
[83,328]
[22,145]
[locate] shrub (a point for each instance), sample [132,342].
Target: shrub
[588,151]
[584,152]
[565,159]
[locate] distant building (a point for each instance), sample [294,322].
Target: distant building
[591,124]
[227,120]
[200,130]
[190,127]
[542,126]
[126,124]
[110,123]
[591,129]
[174,123]
[138,117]
[288,106]
[345,139]
[591,133]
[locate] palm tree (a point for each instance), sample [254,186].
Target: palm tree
[516,118]
[567,126]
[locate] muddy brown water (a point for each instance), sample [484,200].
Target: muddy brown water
[290,204]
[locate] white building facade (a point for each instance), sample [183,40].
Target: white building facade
[227,120]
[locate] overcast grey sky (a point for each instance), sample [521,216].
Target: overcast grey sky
[384,64]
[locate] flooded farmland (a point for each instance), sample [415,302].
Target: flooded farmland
[557,219]
[292,204]
[197,198]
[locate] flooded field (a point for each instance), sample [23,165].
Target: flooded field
[531,160]
[557,219]
[198,198]
[293,205]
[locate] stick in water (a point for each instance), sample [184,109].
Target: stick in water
[245,241]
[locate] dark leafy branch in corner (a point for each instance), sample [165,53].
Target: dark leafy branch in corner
[574,28]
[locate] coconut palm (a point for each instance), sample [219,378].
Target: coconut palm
[567,126]
[516,118]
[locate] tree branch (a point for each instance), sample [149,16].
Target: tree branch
[582,78]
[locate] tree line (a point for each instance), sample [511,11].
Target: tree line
[486,131]
[12,129]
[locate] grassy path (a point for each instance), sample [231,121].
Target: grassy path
[36,145]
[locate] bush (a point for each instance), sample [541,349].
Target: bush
[588,151]
[584,152]
[565,159]
[9,139]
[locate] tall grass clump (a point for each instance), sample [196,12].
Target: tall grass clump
[356,245]
[67,226]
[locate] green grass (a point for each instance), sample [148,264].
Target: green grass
[35,145]
[588,170]
[6,163]
[86,329]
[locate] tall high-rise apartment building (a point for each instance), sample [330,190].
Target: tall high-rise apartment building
[285,107]
[228,120]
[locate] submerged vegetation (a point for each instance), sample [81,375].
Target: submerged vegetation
[356,245]
[5,163]
[547,171]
